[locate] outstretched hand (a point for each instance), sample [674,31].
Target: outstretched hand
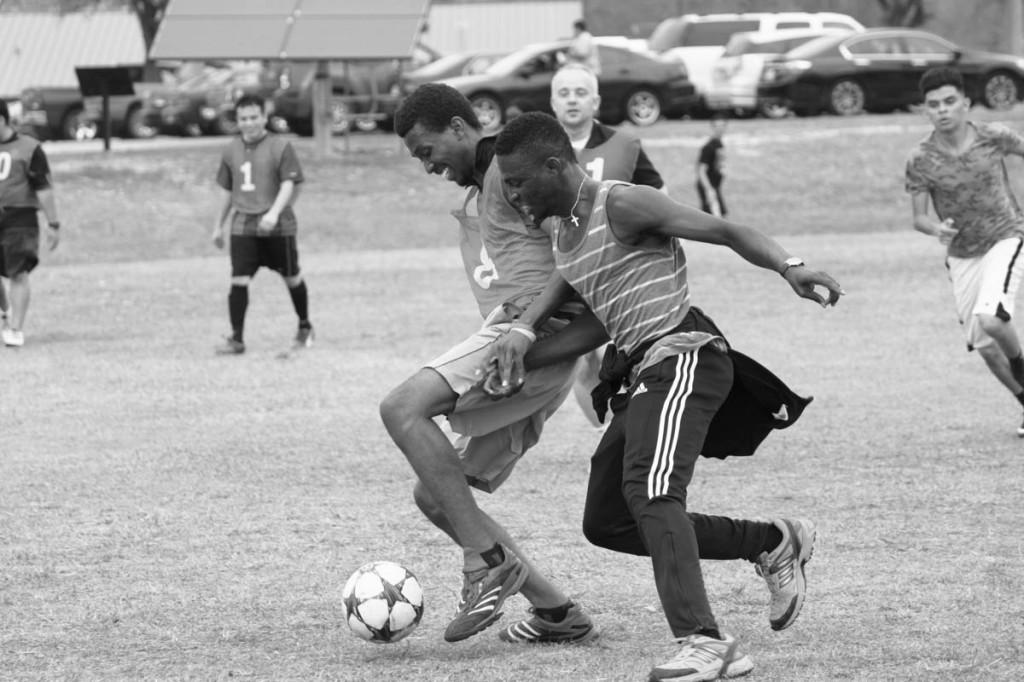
[804,280]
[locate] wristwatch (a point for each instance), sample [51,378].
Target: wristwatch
[793,262]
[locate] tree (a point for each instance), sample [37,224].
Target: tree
[903,12]
[150,13]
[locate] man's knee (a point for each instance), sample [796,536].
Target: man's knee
[292,282]
[992,324]
[423,396]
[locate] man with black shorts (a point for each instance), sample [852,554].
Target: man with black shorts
[25,189]
[619,247]
[261,173]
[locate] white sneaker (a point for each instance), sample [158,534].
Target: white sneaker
[12,337]
[704,658]
[783,570]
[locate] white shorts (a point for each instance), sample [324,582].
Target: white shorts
[494,434]
[986,285]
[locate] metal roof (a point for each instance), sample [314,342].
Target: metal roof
[44,49]
[289,29]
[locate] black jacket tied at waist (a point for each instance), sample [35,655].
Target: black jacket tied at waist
[758,401]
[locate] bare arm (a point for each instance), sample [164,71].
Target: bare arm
[218,223]
[583,334]
[49,206]
[924,223]
[637,214]
[283,198]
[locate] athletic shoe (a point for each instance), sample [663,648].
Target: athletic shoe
[704,658]
[231,346]
[1020,430]
[575,627]
[783,570]
[303,338]
[483,593]
[13,337]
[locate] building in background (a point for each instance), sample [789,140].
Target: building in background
[495,27]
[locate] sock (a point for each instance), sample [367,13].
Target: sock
[1017,364]
[556,614]
[1020,398]
[300,301]
[494,557]
[713,633]
[772,538]
[238,301]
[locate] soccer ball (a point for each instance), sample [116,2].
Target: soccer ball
[383,602]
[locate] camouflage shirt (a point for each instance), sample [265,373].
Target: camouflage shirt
[971,188]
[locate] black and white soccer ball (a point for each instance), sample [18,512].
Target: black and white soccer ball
[382,602]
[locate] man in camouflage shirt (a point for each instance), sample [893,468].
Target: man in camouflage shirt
[960,167]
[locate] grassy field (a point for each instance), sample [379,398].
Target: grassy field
[165,514]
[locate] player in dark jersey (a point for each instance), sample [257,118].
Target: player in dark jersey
[960,170]
[262,175]
[25,189]
[619,246]
[710,163]
[607,154]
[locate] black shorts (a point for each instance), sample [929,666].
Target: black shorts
[276,252]
[19,241]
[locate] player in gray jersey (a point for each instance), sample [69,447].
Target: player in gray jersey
[507,264]
[618,245]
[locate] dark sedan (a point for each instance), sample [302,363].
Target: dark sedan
[633,85]
[879,69]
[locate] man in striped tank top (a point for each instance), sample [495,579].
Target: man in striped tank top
[618,246]
[606,154]
[507,264]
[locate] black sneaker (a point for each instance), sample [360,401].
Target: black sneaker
[304,338]
[231,346]
[576,627]
[483,593]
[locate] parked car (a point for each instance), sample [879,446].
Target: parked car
[352,102]
[448,66]
[698,40]
[634,85]
[203,102]
[879,70]
[55,113]
[737,72]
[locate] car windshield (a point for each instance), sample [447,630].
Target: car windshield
[667,35]
[442,65]
[714,33]
[511,62]
[811,48]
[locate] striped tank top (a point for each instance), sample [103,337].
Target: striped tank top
[638,292]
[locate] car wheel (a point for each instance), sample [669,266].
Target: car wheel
[341,116]
[1000,91]
[136,125]
[643,108]
[488,111]
[75,126]
[774,110]
[366,125]
[224,126]
[846,98]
